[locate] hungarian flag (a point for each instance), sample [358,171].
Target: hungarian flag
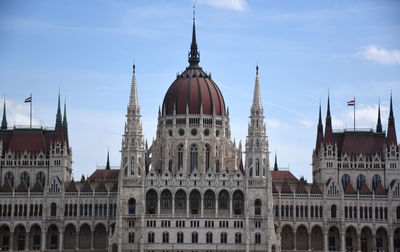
[351,103]
[29,99]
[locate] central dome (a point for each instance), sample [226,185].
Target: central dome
[193,89]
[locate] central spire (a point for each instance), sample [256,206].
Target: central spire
[4,121]
[257,93]
[194,55]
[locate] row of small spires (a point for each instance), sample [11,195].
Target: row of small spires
[328,137]
[59,118]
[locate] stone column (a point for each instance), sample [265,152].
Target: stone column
[309,241]
[216,205]
[201,205]
[343,241]
[187,206]
[11,241]
[61,243]
[373,242]
[26,241]
[231,205]
[77,241]
[159,205]
[294,241]
[326,245]
[391,246]
[359,243]
[43,245]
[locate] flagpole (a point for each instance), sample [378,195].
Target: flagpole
[30,115]
[354,107]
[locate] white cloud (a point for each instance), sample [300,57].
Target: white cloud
[306,123]
[381,55]
[18,113]
[366,117]
[274,123]
[239,5]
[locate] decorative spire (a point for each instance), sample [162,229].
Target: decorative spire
[391,132]
[65,122]
[320,133]
[257,93]
[194,55]
[276,164]
[379,124]
[108,160]
[133,101]
[59,116]
[328,125]
[4,121]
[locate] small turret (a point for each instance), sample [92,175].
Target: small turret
[320,133]
[328,125]
[391,132]
[276,164]
[59,116]
[4,121]
[108,167]
[379,124]
[64,122]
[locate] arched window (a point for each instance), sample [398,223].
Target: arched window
[238,238]
[207,157]
[132,166]
[223,199]
[150,237]
[10,177]
[257,167]
[398,212]
[345,180]
[179,237]
[195,237]
[165,237]
[376,180]
[224,237]
[217,166]
[180,156]
[166,199]
[258,238]
[131,206]
[25,178]
[333,211]
[238,202]
[194,199]
[53,209]
[180,200]
[209,200]
[41,178]
[360,181]
[209,237]
[151,202]
[170,166]
[131,237]
[193,157]
[257,207]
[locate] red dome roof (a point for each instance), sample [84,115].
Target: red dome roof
[193,88]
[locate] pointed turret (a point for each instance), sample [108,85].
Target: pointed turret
[4,121]
[391,131]
[65,122]
[328,125]
[276,164]
[194,55]
[379,124]
[320,133]
[257,94]
[133,100]
[59,116]
[108,167]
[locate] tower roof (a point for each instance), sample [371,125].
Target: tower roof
[194,55]
[4,121]
[257,93]
[391,132]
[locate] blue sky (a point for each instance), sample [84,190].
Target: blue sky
[303,48]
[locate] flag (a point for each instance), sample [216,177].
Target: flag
[29,99]
[351,103]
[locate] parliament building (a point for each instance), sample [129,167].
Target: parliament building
[196,189]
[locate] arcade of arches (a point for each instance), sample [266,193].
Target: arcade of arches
[71,238]
[365,240]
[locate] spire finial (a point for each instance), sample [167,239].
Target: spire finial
[108,159]
[379,124]
[194,55]
[276,164]
[65,123]
[134,96]
[257,92]
[4,121]
[59,116]
[257,69]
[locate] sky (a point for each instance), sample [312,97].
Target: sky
[304,49]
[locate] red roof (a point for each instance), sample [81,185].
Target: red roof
[364,189]
[86,187]
[380,190]
[22,187]
[349,189]
[104,175]
[6,187]
[360,142]
[274,190]
[279,177]
[315,189]
[71,187]
[301,188]
[101,187]
[115,187]
[286,188]
[37,187]
[193,88]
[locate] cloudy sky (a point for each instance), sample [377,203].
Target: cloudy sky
[304,49]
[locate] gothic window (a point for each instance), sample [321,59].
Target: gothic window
[375,181]
[257,143]
[238,238]
[132,166]
[25,178]
[360,181]
[150,237]
[217,166]
[165,237]
[258,238]
[195,237]
[131,237]
[53,209]
[257,167]
[166,199]
[398,212]
[180,200]
[207,157]
[179,238]
[209,200]
[10,177]
[151,202]
[257,207]
[333,211]
[41,178]
[131,206]
[193,157]
[209,237]
[238,202]
[194,200]
[126,171]
[345,180]
[170,165]
[180,156]
[224,237]
[251,172]
[54,187]
[223,199]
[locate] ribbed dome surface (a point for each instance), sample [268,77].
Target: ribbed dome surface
[193,88]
